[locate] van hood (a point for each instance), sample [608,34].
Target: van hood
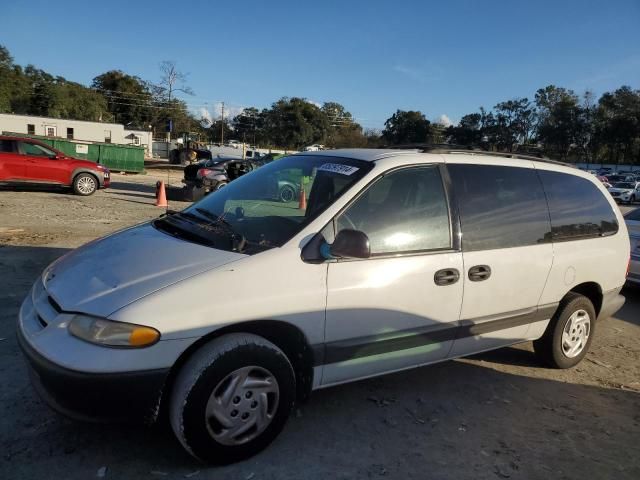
[620,190]
[107,274]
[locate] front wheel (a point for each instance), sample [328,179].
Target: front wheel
[569,334]
[85,184]
[287,194]
[232,398]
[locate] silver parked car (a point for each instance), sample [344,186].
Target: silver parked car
[632,219]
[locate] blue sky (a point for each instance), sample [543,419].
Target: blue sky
[443,58]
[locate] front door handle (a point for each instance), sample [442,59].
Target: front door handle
[479,273]
[446,276]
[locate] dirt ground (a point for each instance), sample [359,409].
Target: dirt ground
[495,415]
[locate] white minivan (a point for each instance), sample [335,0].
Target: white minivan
[220,317]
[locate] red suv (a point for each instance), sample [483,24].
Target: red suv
[28,161]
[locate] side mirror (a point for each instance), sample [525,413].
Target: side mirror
[351,244]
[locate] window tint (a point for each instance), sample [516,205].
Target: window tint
[500,207]
[403,211]
[6,146]
[578,209]
[35,150]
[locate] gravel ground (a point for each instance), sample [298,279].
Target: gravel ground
[495,415]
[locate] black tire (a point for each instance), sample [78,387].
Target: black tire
[85,184]
[287,194]
[549,348]
[219,185]
[202,375]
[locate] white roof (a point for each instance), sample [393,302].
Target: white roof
[367,154]
[455,156]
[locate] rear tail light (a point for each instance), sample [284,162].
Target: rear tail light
[203,172]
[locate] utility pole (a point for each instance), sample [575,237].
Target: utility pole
[222,126]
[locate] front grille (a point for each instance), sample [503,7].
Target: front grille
[615,194]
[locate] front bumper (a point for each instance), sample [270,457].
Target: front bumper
[95,396]
[86,381]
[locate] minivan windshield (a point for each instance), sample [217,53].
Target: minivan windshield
[267,207]
[624,185]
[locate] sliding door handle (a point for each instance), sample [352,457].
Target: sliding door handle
[479,273]
[446,276]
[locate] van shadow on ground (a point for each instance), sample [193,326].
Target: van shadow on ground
[452,420]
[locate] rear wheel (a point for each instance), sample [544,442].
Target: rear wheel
[569,333]
[232,398]
[85,184]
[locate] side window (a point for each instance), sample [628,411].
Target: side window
[500,207]
[578,209]
[35,150]
[6,146]
[403,211]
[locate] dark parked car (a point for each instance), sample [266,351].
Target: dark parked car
[215,173]
[25,161]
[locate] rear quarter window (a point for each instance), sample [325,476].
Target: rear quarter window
[577,207]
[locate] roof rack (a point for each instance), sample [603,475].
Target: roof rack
[471,150]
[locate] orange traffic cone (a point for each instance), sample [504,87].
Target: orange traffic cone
[302,201]
[161,195]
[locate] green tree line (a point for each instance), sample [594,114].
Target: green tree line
[557,122]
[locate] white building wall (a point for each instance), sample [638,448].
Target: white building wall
[88,131]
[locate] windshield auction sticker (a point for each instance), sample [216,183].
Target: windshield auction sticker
[337,168]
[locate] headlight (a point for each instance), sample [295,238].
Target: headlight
[112,334]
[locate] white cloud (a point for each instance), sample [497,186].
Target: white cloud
[230,111]
[213,113]
[205,116]
[317,104]
[444,120]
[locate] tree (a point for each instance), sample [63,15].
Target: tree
[172,80]
[406,127]
[214,132]
[248,125]
[129,98]
[515,122]
[343,131]
[559,115]
[618,124]
[294,123]
[468,131]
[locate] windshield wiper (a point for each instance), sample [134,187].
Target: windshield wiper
[169,226]
[239,240]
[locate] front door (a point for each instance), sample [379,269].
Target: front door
[507,250]
[42,164]
[399,308]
